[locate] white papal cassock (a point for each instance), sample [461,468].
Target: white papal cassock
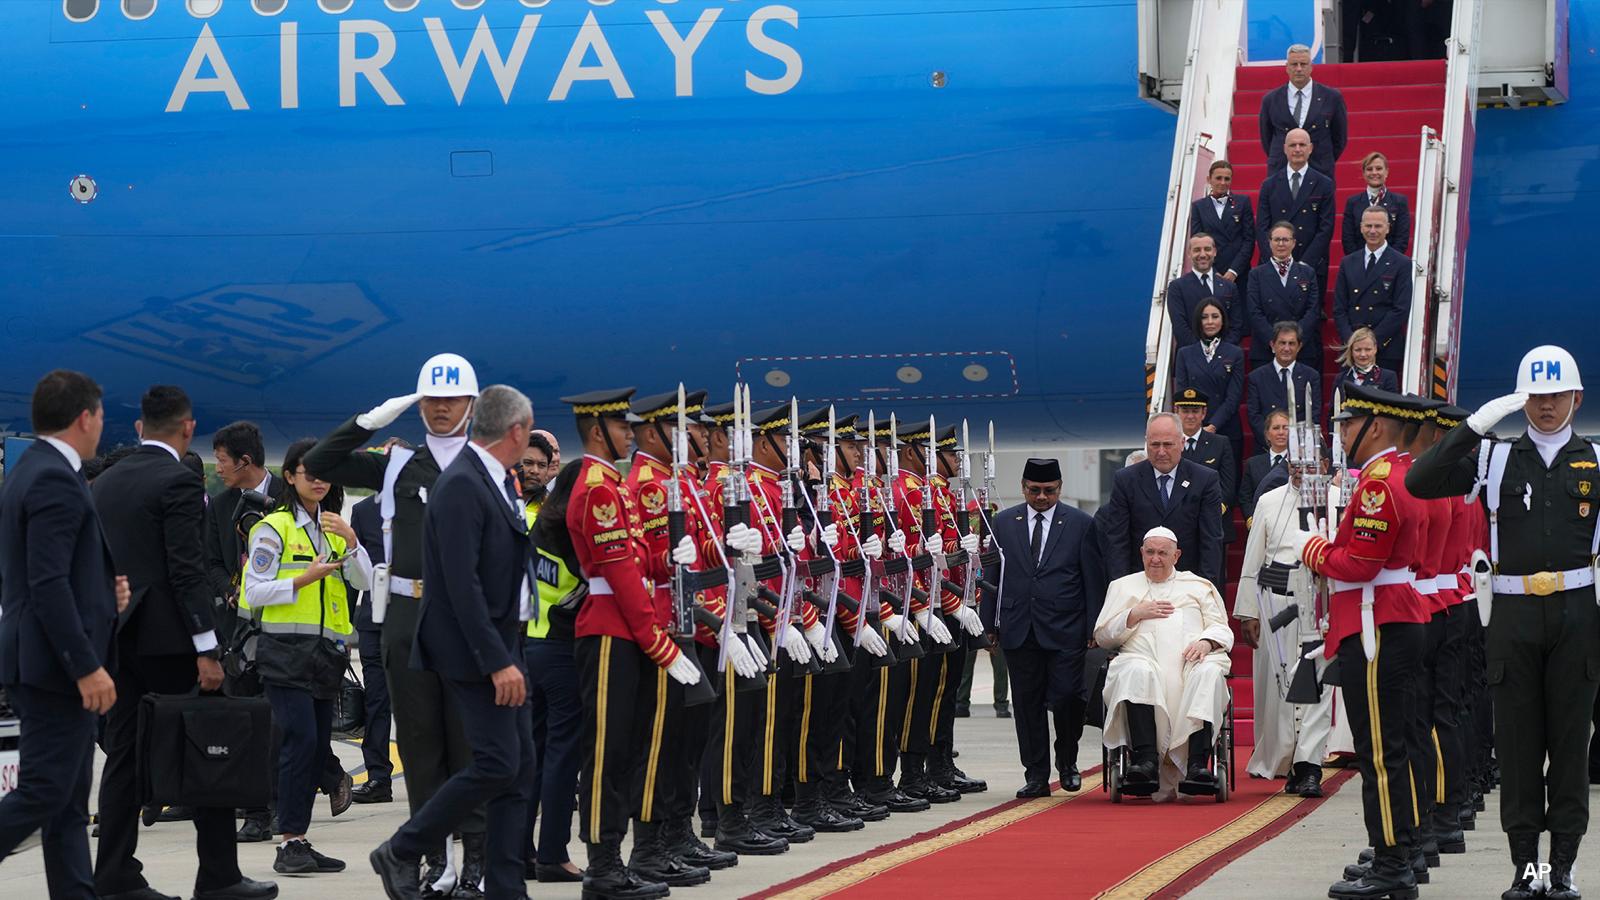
[1286,733]
[1149,666]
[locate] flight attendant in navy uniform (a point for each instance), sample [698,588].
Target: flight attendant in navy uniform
[1215,368]
[1543,638]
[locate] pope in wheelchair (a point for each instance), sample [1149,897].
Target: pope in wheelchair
[1166,691]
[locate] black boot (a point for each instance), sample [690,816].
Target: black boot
[736,835]
[1563,853]
[812,812]
[1525,861]
[434,865]
[606,878]
[1199,779]
[1389,875]
[1305,780]
[1445,827]
[850,804]
[681,842]
[1419,866]
[943,771]
[469,884]
[882,792]
[767,814]
[651,861]
[914,781]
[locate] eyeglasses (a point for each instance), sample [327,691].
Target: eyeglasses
[301,473]
[1048,490]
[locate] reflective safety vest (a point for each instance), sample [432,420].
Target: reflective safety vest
[556,583]
[321,609]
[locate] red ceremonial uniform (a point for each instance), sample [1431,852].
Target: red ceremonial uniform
[766,508]
[647,480]
[908,513]
[945,501]
[608,538]
[1433,542]
[1379,532]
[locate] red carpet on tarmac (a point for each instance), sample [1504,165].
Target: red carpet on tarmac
[1068,845]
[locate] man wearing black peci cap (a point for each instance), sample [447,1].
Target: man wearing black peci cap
[1042,616]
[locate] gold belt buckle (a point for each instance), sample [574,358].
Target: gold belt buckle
[1543,584]
[417,586]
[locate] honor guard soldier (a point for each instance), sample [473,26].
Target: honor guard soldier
[1537,594]
[1375,630]
[942,769]
[619,643]
[428,730]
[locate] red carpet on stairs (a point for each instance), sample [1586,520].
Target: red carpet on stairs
[1388,103]
[1068,846]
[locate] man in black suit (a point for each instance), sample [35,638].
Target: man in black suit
[1268,386]
[1042,616]
[1202,283]
[1257,467]
[1281,290]
[57,633]
[1210,450]
[1230,220]
[475,561]
[1300,104]
[367,523]
[1374,290]
[1165,489]
[1302,196]
[153,508]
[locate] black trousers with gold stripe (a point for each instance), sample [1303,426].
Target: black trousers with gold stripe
[695,735]
[725,764]
[822,707]
[860,704]
[615,681]
[1427,761]
[1450,688]
[658,763]
[878,725]
[776,718]
[1379,695]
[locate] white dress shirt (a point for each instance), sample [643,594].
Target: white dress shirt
[263,587]
[1289,171]
[205,640]
[497,474]
[72,456]
[1044,527]
[1305,105]
[1377,255]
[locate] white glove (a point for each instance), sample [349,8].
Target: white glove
[872,548]
[968,617]
[892,622]
[384,414]
[934,627]
[872,641]
[830,536]
[744,539]
[817,637]
[794,644]
[1490,414]
[684,554]
[744,665]
[969,543]
[796,539]
[684,671]
[1298,540]
[753,647]
[988,541]
[897,542]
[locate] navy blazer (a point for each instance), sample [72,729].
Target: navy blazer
[474,558]
[1311,214]
[1221,379]
[1387,379]
[1215,453]
[1266,394]
[1326,120]
[1234,231]
[58,596]
[1399,222]
[1379,298]
[1194,514]
[1184,295]
[1056,599]
[366,520]
[1269,300]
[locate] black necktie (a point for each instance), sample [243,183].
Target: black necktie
[1277,458]
[1371,258]
[1299,106]
[1283,377]
[1038,535]
[1190,448]
[1294,185]
[510,485]
[1205,281]
[1166,490]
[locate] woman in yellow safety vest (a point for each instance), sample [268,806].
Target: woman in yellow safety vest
[303,569]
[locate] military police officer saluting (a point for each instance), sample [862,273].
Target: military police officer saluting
[1543,643]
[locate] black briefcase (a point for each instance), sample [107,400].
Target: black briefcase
[1096,665]
[205,751]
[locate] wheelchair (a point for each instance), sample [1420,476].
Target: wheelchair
[1115,761]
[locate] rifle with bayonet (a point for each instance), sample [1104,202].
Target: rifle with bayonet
[968,588]
[870,571]
[742,600]
[685,583]
[788,559]
[899,583]
[992,560]
[825,571]
[932,558]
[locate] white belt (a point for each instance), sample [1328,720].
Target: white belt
[405,587]
[1387,576]
[1369,629]
[599,585]
[1448,582]
[1425,586]
[1543,584]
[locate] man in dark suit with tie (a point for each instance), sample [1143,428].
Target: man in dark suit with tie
[1042,617]
[1302,196]
[1300,104]
[1268,387]
[1230,220]
[1257,467]
[1165,489]
[1374,290]
[57,632]
[153,507]
[1210,450]
[1282,290]
[367,523]
[1202,283]
[476,565]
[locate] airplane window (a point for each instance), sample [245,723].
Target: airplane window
[80,10]
[138,9]
[269,7]
[402,5]
[204,9]
[334,7]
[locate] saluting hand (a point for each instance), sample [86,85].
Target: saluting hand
[98,691]
[510,687]
[124,594]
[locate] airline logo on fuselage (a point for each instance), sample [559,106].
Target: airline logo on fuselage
[372,56]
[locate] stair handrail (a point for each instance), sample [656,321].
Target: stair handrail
[1425,226]
[1459,134]
[1204,110]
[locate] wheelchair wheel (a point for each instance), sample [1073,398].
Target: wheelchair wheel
[1222,757]
[1113,773]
